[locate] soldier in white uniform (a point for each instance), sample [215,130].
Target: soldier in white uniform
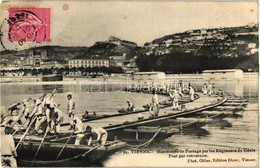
[210,89]
[131,106]
[78,129]
[155,103]
[175,99]
[40,117]
[55,123]
[192,93]
[100,133]
[71,110]
[205,89]
[8,152]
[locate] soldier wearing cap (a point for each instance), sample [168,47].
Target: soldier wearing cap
[78,129]
[71,110]
[8,152]
[22,111]
[55,123]
[131,106]
[192,93]
[49,104]
[40,116]
[5,117]
[99,133]
[154,105]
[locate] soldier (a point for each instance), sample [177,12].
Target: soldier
[210,89]
[55,123]
[155,102]
[205,89]
[78,129]
[40,117]
[100,133]
[131,106]
[8,152]
[175,99]
[71,110]
[192,93]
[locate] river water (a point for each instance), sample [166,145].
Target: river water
[240,131]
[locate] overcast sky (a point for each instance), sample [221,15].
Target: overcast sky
[84,23]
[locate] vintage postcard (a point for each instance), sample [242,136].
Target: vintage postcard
[129,84]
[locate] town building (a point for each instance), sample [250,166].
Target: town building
[223,74]
[35,58]
[149,75]
[77,63]
[117,60]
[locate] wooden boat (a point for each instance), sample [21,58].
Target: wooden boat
[222,114]
[191,122]
[125,111]
[236,100]
[56,77]
[143,133]
[162,120]
[71,155]
[234,104]
[122,112]
[229,108]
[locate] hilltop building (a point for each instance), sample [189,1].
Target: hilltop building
[118,41]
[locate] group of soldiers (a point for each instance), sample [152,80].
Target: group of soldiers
[208,89]
[43,115]
[175,93]
[43,112]
[46,116]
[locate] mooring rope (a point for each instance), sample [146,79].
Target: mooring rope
[146,143]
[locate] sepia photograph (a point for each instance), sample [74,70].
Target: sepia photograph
[129,83]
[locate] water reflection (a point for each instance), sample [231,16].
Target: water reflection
[197,132]
[220,123]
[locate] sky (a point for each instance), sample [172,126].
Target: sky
[82,23]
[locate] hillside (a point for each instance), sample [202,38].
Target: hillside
[218,42]
[185,52]
[196,50]
[112,47]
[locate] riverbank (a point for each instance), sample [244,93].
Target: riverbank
[119,79]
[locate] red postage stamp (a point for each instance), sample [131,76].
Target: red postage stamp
[29,25]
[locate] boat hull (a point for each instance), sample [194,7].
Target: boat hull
[52,78]
[71,154]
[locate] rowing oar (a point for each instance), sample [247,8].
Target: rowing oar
[25,134]
[44,134]
[64,145]
[47,130]
[28,119]
[20,127]
[90,150]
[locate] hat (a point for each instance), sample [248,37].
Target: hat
[88,129]
[76,119]
[2,128]
[38,101]
[128,101]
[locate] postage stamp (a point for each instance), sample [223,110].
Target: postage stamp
[25,27]
[29,25]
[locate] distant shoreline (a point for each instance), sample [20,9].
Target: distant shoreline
[121,79]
